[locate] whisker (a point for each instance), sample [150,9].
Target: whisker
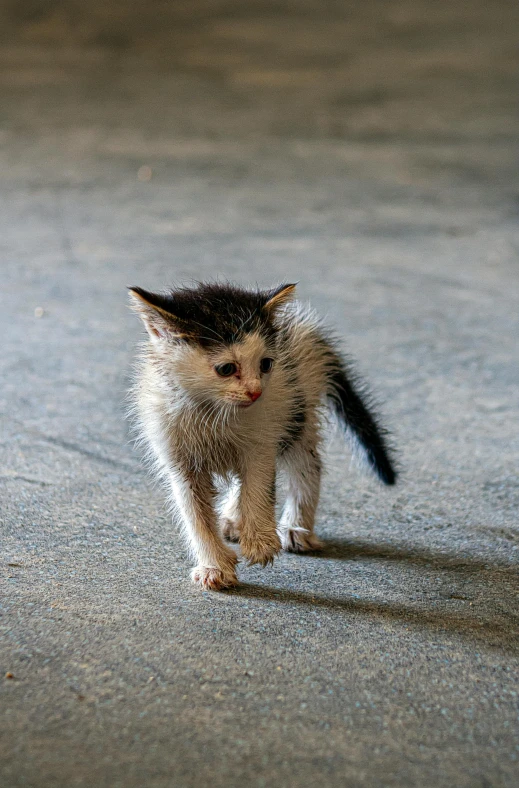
[247,320]
[208,328]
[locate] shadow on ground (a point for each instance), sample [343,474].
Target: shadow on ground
[497,629]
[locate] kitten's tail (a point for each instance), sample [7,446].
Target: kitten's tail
[346,401]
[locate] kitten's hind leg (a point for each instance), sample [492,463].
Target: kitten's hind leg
[230,512]
[194,495]
[296,527]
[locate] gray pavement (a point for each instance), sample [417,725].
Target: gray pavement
[370,152]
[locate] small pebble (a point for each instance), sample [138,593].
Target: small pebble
[144,173]
[39,311]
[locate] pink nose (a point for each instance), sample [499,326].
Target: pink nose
[254,395]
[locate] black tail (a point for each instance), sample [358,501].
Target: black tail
[355,415]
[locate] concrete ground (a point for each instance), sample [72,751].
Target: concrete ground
[368,150]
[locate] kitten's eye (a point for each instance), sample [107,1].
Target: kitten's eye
[266,364]
[226,370]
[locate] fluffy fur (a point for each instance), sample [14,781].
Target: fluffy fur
[209,408]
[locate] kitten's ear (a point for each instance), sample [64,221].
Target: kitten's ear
[279,296]
[160,322]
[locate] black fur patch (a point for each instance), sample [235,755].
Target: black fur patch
[352,404]
[215,314]
[296,424]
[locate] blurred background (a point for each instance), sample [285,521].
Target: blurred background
[368,150]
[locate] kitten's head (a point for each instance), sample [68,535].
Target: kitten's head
[217,341]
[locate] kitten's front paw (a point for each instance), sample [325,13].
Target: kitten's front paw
[211,579]
[296,540]
[230,530]
[260,549]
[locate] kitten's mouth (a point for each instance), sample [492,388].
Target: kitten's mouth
[245,404]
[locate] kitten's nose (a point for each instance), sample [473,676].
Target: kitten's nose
[254,395]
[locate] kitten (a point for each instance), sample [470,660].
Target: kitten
[231,385]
